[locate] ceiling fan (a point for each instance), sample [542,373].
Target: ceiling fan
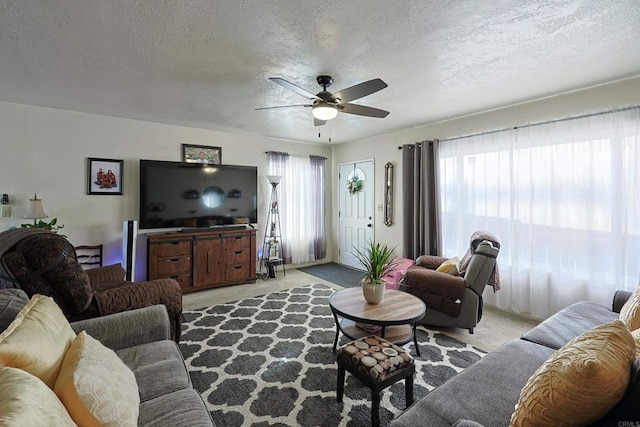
[326,106]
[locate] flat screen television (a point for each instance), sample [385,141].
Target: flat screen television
[192,195]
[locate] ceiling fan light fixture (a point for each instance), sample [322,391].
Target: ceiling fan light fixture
[324,111]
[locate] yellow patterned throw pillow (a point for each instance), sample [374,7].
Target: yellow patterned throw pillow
[450,266]
[96,387]
[630,312]
[580,382]
[37,339]
[27,401]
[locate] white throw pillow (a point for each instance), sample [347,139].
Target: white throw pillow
[96,387]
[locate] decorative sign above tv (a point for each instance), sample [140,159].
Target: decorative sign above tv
[201,154]
[190,195]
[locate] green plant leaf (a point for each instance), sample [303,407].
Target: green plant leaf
[377,260]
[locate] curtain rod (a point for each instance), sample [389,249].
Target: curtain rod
[617,110]
[287,154]
[400,147]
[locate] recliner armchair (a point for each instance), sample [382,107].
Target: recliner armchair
[455,300]
[42,262]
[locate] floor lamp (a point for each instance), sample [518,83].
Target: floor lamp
[272,248]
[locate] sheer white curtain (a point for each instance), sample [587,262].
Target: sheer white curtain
[563,198]
[301,195]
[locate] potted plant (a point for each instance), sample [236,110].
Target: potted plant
[377,260]
[51,225]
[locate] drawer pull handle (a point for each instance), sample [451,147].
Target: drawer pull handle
[174,259]
[238,267]
[238,252]
[173,277]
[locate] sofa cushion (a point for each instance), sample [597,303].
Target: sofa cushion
[630,312]
[627,408]
[579,383]
[11,302]
[183,408]
[95,386]
[27,401]
[37,339]
[158,367]
[486,392]
[569,323]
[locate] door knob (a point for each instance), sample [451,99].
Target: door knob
[369,225]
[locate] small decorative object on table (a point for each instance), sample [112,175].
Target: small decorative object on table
[377,261]
[368,327]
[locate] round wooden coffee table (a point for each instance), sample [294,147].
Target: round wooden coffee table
[397,314]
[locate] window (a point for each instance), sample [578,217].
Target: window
[302,205]
[563,199]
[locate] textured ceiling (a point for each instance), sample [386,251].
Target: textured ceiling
[206,63]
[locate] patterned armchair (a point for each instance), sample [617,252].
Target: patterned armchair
[42,262]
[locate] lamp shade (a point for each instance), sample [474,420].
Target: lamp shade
[34,209]
[324,111]
[274,179]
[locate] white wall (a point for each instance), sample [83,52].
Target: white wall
[45,151]
[385,148]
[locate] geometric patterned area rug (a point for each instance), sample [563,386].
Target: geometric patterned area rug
[268,361]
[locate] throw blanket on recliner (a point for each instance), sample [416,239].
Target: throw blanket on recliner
[8,239]
[477,238]
[44,263]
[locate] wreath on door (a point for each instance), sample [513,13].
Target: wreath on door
[354,184]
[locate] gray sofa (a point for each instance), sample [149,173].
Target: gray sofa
[487,391]
[142,339]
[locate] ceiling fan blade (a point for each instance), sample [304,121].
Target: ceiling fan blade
[362,110]
[318,122]
[288,85]
[285,106]
[360,90]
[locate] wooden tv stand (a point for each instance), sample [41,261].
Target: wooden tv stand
[203,259]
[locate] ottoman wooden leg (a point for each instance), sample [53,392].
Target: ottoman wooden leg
[375,408]
[408,390]
[340,387]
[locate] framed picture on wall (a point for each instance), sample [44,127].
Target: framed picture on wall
[201,154]
[104,176]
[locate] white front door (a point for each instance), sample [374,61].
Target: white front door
[356,210]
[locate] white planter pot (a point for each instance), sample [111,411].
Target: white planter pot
[373,293]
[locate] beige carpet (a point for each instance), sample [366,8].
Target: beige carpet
[495,328]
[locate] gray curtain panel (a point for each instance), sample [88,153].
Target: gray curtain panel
[420,199]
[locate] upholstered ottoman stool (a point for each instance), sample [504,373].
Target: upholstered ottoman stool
[377,363]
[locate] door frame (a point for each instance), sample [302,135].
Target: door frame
[373,200]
